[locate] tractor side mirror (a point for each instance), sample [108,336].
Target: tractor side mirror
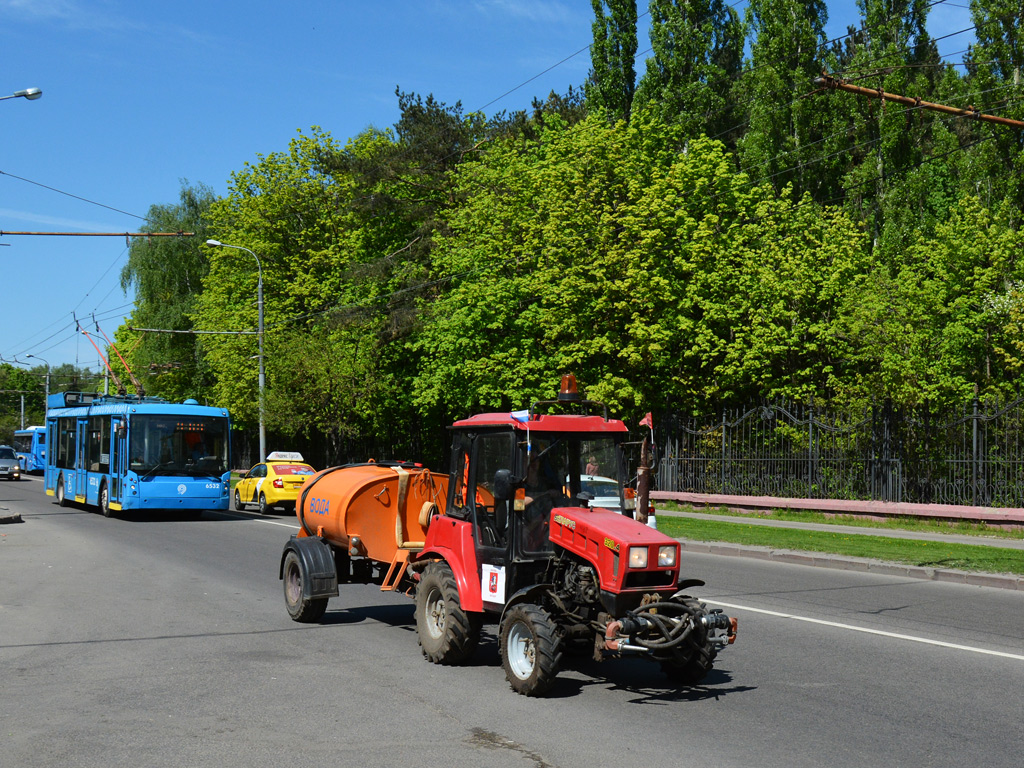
[504,485]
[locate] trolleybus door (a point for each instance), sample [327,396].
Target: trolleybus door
[118,458]
[81,465]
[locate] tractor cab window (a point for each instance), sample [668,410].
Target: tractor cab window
[493,452]
[567,471]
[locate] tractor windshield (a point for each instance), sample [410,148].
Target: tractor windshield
[568,471]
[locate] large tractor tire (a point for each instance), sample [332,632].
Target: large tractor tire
[531,649]
[300,608]
[447,634]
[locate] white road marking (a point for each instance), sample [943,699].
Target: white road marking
[868,630]
[257,518]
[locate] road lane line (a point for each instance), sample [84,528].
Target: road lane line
[275,522]
[256,517]
[868,630]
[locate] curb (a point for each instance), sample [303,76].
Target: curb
[864,565]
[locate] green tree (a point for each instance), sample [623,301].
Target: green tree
[167,276]
[995,66]
[784,129]
[612,81]
[698,55]
[606,251]
[944,323]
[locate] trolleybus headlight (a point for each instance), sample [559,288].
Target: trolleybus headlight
[667,555]
[638,557]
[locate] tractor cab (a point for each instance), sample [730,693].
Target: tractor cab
[511,470]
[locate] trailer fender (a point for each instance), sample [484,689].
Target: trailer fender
[316,558]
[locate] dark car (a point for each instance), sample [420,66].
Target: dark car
[10,465]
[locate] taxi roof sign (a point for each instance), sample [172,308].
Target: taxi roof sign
[284,456]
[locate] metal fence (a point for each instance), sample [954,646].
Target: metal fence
[974,456]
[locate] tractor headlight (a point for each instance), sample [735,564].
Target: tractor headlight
[667,556]
[638,557]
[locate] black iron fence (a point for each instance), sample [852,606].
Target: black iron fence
[973,456]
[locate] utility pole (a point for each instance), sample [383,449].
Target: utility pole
[838,84]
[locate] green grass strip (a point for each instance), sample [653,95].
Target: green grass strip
[929,554]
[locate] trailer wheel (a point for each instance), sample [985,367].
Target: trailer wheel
[239,506]
[300,608]
[447,634]
[62,499]
[531,649]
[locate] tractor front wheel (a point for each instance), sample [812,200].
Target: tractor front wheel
[691,661]
[447,634]
[531,649]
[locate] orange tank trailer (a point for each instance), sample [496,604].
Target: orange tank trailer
[372,510]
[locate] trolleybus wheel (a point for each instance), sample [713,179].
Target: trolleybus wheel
[105,501]
[62,499]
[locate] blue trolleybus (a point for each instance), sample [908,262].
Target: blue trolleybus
[30,445]
[136,453]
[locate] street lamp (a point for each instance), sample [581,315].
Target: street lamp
[259,310]
[46,402]
[28,93]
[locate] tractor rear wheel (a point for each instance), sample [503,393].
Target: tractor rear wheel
[300,608]
[531,649]
[447,634]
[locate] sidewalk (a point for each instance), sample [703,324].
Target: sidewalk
[842,562]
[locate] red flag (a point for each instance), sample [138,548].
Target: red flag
[646,421]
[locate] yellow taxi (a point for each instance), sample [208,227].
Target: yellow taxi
[273,483]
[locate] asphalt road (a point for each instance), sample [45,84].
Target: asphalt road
[165,642]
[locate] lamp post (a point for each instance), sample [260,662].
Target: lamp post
[259,311]
[28,93]
[46,402]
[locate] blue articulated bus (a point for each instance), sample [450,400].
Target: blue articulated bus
[124,453]
[30,445]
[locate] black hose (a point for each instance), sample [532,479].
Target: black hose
[672,637]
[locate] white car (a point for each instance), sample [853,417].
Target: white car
[605,491]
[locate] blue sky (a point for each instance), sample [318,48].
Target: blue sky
[138,96]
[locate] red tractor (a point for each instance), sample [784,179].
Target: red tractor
[511,536]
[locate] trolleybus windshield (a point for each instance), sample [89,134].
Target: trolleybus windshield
[176,445]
